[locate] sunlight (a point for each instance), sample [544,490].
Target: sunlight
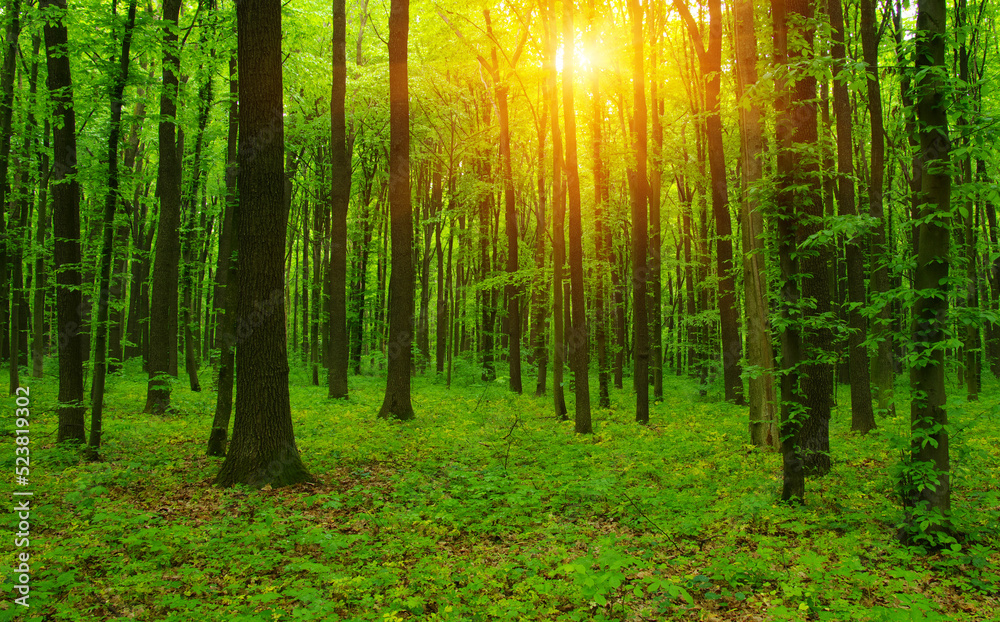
[582,58]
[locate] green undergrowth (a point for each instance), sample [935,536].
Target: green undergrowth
[487,508]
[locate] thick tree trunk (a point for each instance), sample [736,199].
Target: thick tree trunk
[162,337]
[928,417]
[397,393]
[66,228]
[338,353]
[263,450]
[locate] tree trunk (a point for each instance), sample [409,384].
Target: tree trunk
[162,344]
[710,62]
[7,73]
[38,339]
[558,219]
[263,450]
[882,375]
[760,353]
[640,276]
[602,240]
[340,194]
[397,392]
[579,339]
[539,335]
[862,415]
[225,283]
[66,228]
[928,417]
[107,244]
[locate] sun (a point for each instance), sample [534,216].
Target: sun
[581,57]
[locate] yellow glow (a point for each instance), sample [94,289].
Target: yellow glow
[581,57]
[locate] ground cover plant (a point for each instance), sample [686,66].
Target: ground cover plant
[487,508]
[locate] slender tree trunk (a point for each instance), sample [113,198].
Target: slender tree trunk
[7,73]
[397,393]
[579,339]
[107,244]
[882,374]
[862,415]
[19,302]
[225,284]
[539,335]
[760,353]
[340,194]
[162,346]
[38,339]
[602,240]
[640,277]
[558,219]
[710,61]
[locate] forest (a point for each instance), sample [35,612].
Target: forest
[523,310]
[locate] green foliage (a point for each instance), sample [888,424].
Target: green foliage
[486,508]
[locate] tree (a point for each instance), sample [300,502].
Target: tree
[798,199]
[338,353]
[930,491]
[578,342]
[108,225]
[710,62]
[7,72]
[882,374]
[263,449]
[162,331]
[558,216]
[760,352]
[638,189]
[862,415]
[225,289]
[66,225]
[397,391]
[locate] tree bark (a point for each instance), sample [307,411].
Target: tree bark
[66,228]
[928,417]
[640,276]
[710,62]
[760,353]
[862,415]
[601,203]
[338,354]
[107,244]
[558,220]
[7,73]
[162,340]
[579,339]
[397,392]
[263,451]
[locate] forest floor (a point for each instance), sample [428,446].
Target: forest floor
[487,508]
